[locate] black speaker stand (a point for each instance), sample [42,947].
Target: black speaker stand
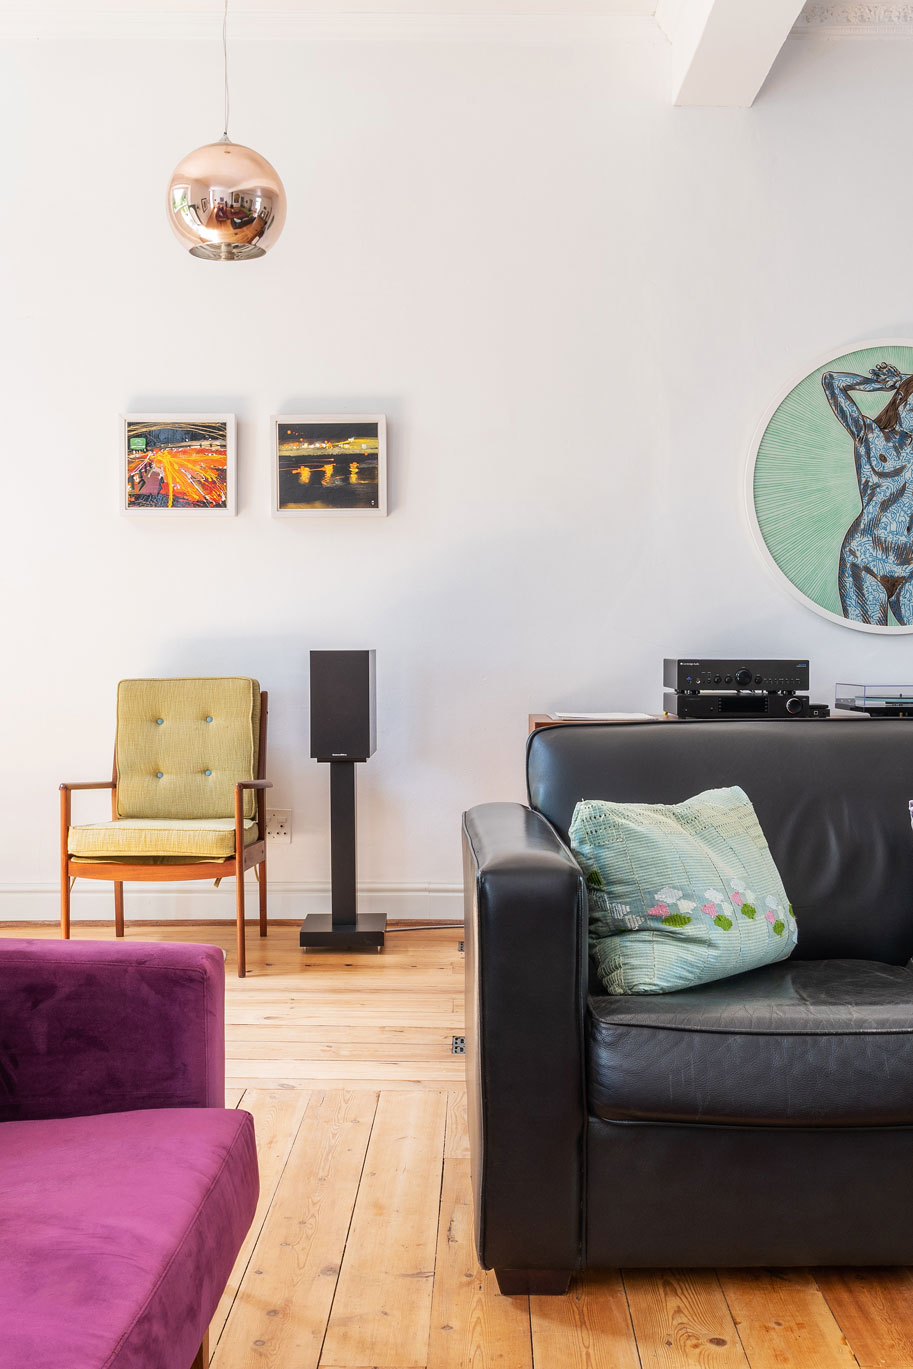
[343,928]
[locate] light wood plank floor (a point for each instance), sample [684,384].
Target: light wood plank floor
[360,1255]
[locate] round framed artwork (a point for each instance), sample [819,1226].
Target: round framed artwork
[830,487]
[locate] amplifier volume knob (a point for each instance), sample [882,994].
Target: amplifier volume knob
[793,705]
[743,677]
[717,679]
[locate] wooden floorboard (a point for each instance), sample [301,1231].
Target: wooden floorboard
[588,1329]
[277,1117]
[359,1085]
[681,1319]
[783,1320]
[362,1256]
[874,1310]
[280,1315]
[382,1309]
[449,1071]
[471,1323]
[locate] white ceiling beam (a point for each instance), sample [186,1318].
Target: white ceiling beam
[722,50]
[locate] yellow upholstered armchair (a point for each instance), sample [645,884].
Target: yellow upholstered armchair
[187,794]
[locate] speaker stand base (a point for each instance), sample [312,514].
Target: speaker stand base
[365,933]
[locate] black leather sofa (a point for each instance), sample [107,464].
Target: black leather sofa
[761,1120]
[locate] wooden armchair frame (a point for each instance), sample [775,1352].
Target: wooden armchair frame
[119,871]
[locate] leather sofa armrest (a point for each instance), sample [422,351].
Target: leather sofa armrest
[525,995]
[95,1026]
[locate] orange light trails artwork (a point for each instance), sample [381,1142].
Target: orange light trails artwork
[195,475]
[178,474]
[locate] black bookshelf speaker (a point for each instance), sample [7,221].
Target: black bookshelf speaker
[343,705]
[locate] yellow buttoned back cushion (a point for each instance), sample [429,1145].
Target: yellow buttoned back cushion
[182,746]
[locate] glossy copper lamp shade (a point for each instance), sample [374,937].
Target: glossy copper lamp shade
[226,202]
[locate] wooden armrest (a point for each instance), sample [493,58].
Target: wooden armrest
[90,784]
[239,810]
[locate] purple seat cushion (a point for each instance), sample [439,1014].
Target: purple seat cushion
[118,1233]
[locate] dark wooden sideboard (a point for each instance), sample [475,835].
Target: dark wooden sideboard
[537,720]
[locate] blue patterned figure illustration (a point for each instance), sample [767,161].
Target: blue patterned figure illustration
[876,559]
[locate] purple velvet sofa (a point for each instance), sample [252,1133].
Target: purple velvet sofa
[126,1187]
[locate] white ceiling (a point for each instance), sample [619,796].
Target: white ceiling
[67,14]
[547,20]
[864,17]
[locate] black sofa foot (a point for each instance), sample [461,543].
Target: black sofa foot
[535,1282]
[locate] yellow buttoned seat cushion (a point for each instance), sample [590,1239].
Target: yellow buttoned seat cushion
[182,746]
[142,838]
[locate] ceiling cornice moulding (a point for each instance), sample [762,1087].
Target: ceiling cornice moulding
[857,18]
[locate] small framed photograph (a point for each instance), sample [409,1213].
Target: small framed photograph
[177,464]
[333,464]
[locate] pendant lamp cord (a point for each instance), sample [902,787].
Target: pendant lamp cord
[225,65]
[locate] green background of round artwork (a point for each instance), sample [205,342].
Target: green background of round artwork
[805,490]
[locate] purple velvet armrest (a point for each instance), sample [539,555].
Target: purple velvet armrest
[100,1026]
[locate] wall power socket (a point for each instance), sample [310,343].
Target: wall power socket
[279,824]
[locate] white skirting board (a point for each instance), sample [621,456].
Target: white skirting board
[93,901]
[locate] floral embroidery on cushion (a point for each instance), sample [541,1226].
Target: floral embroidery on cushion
[743,898]
[675,909]
[621,913]
[775,915]
[717,907]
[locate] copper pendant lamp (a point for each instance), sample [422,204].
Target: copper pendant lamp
[225,201]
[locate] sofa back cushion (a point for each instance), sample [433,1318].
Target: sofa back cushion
[183,744]
[831,797]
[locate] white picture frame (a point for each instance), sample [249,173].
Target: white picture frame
[150,502]
[340,486]
[771,566]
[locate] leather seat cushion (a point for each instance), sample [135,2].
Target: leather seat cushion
[799,1043]
[118,1233]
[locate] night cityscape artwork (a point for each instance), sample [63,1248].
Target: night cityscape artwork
[330,464]
[178,464]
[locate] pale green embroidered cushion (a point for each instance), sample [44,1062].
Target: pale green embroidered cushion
[679,894]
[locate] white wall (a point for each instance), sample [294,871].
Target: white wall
[571,300]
